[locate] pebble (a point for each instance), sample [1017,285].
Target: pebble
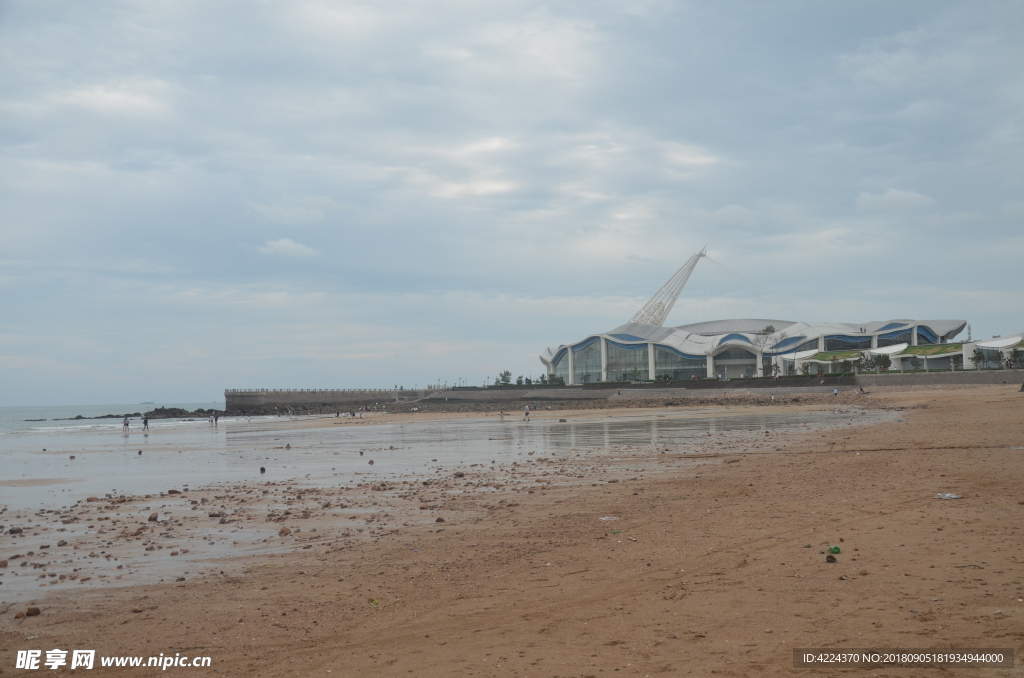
[72,456]
[439,520]
[262,470]
[371,462]
[33,612]
[136,610]
[283,532]
[173,492]
[14,530]
[62,543]
[153,517]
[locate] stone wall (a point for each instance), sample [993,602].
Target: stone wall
[936,378]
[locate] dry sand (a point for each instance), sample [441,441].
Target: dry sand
[715,562]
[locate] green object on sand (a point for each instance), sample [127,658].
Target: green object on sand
[833,549]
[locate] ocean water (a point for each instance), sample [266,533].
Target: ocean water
[50,418]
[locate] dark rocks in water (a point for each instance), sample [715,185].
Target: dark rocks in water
[179,413]
[262,470]
[173,492]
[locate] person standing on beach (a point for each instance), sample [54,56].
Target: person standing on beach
[526,413]
[835,393]
[216,418]
[124,425]
[145,423]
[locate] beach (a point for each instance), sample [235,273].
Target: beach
[633,540]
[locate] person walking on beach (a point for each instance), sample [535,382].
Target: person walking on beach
[216,418]
[835,393]
[526,413]
[145,423]
[501,415]
[124,425]
[773,400]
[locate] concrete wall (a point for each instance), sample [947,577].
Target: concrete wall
[936,378]
[241,399]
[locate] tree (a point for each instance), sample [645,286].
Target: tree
[978,358]
[1017,357]
[883,362]
[805,368]
[767,338]
[506,378]
[915,363]
[846,366]
[519,380]
[529,381]
[543,379]
[956,362]
[556,380]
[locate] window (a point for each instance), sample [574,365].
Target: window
[586,361]
[845,343]
[734,337]
[561,365]
[787,343]
[892,326]
[735,354]
[926,336]
[893,338]
[627,362]
[678,366]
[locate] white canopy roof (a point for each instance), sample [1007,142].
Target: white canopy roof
[889,350]
[1001,342]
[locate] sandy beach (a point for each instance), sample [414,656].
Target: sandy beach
[564,557]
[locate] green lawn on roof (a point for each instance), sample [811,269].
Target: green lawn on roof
[934,349]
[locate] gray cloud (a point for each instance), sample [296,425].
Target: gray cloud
[576,152]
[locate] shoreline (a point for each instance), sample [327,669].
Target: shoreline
[516,572]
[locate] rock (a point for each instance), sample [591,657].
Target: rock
[460,474]
[72,456]
[830,559]
[153,517]
[562,421]
[20,615]
[173,492]
[371,462]
[215,514]
[14,530]
[93,499]
[84,579]
[283,532]
[140,451]
[3,563]
[439,520]
[44,546]
[136,610]
[262,470]
[288,446]
[33,612]
[174,553]
[62,543]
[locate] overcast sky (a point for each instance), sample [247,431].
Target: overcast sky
[206,195]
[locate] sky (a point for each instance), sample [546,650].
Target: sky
[197,196]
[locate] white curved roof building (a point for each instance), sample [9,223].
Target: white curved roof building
[643,349]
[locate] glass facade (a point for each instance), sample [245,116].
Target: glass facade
[785,344]
[846,343]
[926,336]
[892,326]
[627,362]
[733,337]
[678,366]
[893,338]
[736,354]
[561,365]
[586,361]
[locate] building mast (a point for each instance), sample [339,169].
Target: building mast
[657,309]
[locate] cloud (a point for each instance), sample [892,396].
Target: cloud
[288,248]
[294,210]
[893,199]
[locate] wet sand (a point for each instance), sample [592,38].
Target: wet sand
[715,560]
